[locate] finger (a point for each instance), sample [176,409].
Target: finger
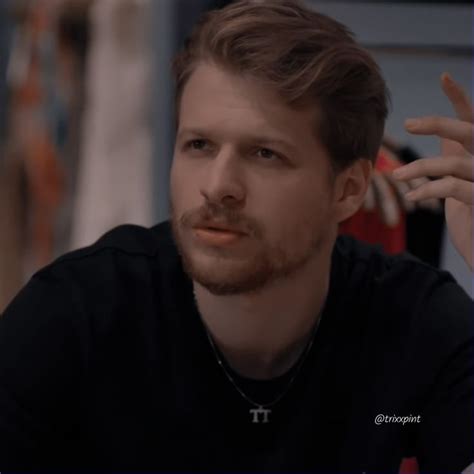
[417,182]
[456,166]
[444,127]
[450,147]
[447,187]
[369,199]
[401,188]
[455,93]
[386,201]
[432,204]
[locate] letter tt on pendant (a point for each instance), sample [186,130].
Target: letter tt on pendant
[260,411]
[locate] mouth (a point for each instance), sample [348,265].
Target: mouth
[216,227]
[218,235]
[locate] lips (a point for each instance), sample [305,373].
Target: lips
[214,226]
[215,234]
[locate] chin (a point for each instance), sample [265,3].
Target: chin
[226,276]
[222,271]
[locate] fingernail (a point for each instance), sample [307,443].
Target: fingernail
[410,195]
[411,123]
[448,78]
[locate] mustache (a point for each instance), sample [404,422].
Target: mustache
[213,212]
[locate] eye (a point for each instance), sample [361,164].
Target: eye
[197,144]
[268,154]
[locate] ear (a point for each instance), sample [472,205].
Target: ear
[351,187]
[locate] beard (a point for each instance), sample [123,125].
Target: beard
[253,266]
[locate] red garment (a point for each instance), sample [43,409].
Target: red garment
[409,466]
[369,227]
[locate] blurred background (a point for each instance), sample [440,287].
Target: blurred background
[86,116]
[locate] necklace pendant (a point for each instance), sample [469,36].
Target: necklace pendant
[260,414]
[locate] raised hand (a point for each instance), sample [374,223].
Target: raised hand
[454,168]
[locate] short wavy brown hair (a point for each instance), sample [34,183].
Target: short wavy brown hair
[307,57]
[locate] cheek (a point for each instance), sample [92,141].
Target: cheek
[175,178]
[296,210]
[183,186]
[308,198]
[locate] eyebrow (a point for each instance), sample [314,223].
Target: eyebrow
[254,138]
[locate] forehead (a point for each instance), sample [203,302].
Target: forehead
[216,98]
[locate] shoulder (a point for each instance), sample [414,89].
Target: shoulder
[366,266]
[400,283]
[124,247]
[115,280]
[419,309]
[118,274]
[127,239]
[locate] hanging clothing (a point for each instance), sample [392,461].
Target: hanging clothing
[12,227]
[115,168]
[31,130]
[72,48]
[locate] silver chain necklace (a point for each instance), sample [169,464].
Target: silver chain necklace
[263,409]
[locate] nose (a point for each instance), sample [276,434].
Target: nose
[223,183]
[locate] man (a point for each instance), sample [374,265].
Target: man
[245,336]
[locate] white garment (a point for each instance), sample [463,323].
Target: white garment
[115,168]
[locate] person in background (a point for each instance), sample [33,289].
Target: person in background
[244,334]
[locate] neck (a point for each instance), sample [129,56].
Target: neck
[262,334]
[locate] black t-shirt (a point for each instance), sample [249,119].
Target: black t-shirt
[105,364]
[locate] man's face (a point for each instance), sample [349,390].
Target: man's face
[246,161]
